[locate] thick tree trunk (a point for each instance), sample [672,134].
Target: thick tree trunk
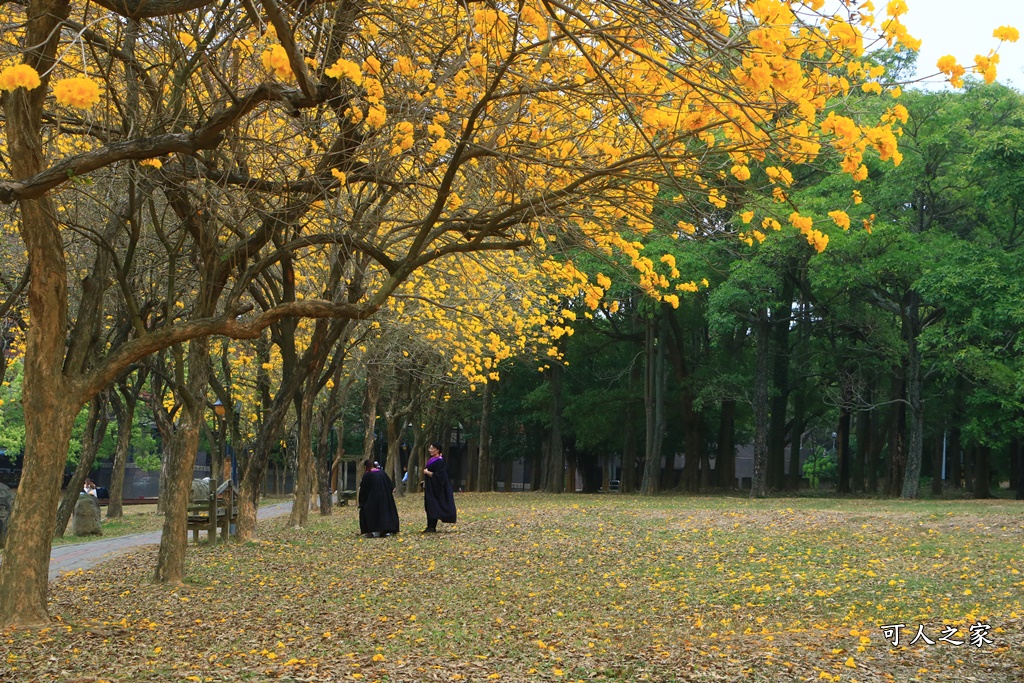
[181,458]
[762,365]
[92,438]
[49,401]
[24,574]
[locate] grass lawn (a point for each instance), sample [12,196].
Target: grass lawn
[137,519]
[529,587]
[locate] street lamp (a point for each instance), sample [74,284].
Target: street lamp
[219,409]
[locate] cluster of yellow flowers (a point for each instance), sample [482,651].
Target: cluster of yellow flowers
[80,92]
[275,60]
[19,76]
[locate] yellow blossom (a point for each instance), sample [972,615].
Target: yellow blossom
[79,92]
[376,116]
[343,68]
[275,59]
[19,76]
[1007,33]
[741,172]
[840,218]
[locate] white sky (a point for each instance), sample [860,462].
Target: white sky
[963,28]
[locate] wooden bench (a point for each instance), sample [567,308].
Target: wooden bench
[344,497]
[227,513]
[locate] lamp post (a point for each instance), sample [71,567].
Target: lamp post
[216,464]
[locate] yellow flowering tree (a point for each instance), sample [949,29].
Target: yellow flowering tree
[381,136]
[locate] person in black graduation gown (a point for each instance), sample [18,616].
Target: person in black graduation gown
[378,515]
[438,497]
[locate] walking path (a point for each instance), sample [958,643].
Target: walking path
[68,558]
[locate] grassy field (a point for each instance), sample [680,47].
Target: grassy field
[570,588]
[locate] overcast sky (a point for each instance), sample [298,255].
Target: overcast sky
[963,28]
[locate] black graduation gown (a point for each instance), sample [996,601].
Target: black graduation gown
[438,497]
[377,510]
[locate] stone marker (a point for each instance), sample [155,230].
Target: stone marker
[6,506]
[200,491]
[86,521]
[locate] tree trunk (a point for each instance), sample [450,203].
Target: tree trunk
[654,404]
[725,458]
[879,434]
[695,466]
[796,441]
[1017,467]
[781,323]
[393,466]
[49,403]
[759,480]
[915,446]
[982,463]
[92,438]
[538,467]
[956,461]
[556,463]
[860,456]
[370,401]
[937,460]
[170,566]
[627,479]
[485,466]
[897,438]
[125,422]
[304,465]
[970,459]
[509,473]
[322,462]
[843,446]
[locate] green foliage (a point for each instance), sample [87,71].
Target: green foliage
[12,417]
[820,465]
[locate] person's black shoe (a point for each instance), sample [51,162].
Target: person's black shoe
[428,530]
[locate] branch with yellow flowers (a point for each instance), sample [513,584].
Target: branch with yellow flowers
[207,136]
